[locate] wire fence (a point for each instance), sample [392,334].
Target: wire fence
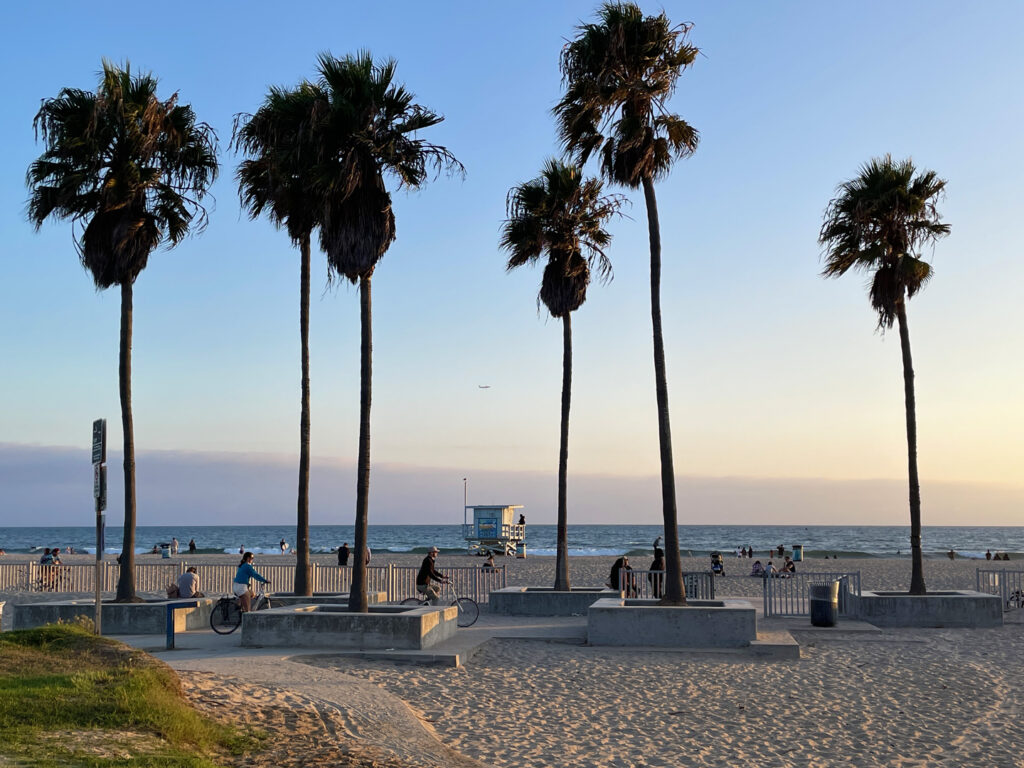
[648,585]
[787,594]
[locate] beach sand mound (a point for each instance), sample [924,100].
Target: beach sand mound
[318,723]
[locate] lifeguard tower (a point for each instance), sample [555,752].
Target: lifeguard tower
[495,528]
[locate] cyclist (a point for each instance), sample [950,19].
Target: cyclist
[427,573]
[243,577]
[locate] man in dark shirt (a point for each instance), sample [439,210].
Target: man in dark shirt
[428,572]
[343,554]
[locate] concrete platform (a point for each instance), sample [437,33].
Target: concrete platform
[384,627]
[698,624]
[145,618]
[545,601]
[949,608]
[324,598]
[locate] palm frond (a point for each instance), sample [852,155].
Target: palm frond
[878,222]
[131,168]
[561,214]
[619,74]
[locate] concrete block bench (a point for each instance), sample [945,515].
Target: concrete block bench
[146,618]
[334,626]
[699,624]
[945,608]
[545,601]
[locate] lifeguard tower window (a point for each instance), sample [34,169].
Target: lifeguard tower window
[494,528]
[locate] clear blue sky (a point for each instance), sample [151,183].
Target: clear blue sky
[775,375]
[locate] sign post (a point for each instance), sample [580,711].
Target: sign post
[99,493]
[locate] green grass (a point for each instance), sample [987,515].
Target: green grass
[70,698]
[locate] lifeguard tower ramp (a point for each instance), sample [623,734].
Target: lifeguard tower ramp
[495,527]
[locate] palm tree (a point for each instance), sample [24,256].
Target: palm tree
[132,170]
[273,180]
[560,214]
[364,127]
[619,73]
[878,223]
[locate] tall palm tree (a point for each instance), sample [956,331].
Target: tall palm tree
[878,223]
[562,215]
[273,180]
[618,74]
[364,127]
[132,170]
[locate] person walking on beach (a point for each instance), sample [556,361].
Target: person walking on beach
[343,555]
[284,546]
[243,576]
[428,573]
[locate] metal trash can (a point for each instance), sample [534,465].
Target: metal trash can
[798,553]
[165,552]
[521,550]
[824,600]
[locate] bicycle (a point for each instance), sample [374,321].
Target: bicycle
[469,611]
[226,614]
[1015,599]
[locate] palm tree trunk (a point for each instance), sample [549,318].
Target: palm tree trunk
[674,593]
[562,545]
[917,586]
[126,577]
[357,600]
[303,583]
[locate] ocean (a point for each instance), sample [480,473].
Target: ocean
[584,540]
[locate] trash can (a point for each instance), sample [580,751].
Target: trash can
[521,549]
[824,600]
[165,552]
[798,553]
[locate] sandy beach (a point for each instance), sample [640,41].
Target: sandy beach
[896,698]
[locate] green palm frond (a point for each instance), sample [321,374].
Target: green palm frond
[877,223]
[130,168]
[619,74]
[561,214]
[364,128]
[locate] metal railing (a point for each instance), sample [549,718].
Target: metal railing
[396,581]
[1009,585]
[647,585]
[787,594]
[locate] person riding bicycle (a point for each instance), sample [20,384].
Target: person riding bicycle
[426,574]
[243,576]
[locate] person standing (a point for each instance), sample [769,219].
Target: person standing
[174,546]
[428,573]
[343,554]
[243,576]
[284,546]
[191,546]
[657,576]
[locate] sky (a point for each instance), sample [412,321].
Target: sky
[786,404]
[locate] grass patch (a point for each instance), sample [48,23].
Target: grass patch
[70,698]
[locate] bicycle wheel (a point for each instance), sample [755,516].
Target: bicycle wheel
[411,601]
[225,617]
[469,611]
